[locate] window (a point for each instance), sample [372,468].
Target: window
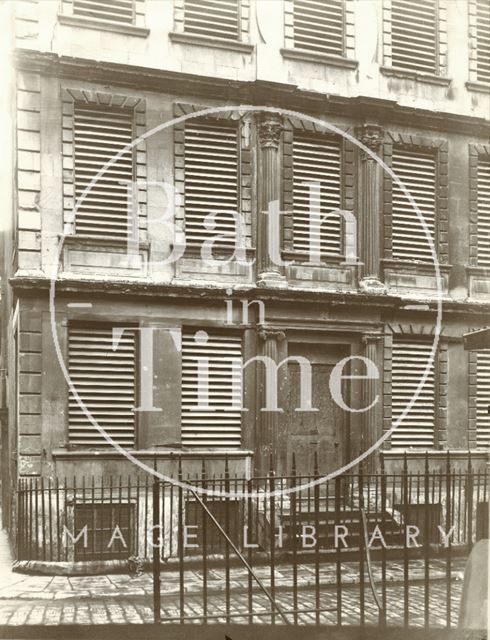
[483,207]
[101,521]
[316,159]
[104,378]
[215,18]
[483,41]
[414,35]
[409,361]
[417,172]
[211,182]
[318,26]
[211,417]
[482,399]
[121,11]
[99,134]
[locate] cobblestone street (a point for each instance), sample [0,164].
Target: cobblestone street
[118,599]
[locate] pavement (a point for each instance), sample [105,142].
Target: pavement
[127,598]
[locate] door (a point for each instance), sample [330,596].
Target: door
[325,430]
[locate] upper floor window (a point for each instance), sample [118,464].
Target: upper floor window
[482,399]
[211,389]
[481,35]
[318,26]
[415,37]
[417,172]
[103,373]
[215,18]
[211,179]
[121,11]
[409,362]
[316,188]
[100,133]
[483,208]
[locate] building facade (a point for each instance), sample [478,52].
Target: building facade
[89,288]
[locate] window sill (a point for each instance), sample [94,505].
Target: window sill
[209,41]
[414,265]
[100,241]
[102,25]
[479,270]
[322,58]
[152,453]
[426,78]
[302,258]
[480,87]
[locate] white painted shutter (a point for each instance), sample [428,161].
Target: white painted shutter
[319,26]
[99,134]
[414,35]
[483,40]
[483,400]
[219,425]
[216,18]
[409,362]
[417,172]
[211,182]
[121,11]
[104,379]
[483,197]
[316,160]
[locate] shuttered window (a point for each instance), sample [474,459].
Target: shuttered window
[409,362]
[483,40]
[319,26]
[104,378]
[414,35]
[417,172]
[121,11]
[215,18]
[99,134]
[316,160]
[482,400]
[211,182]
[483,200]
[211,418]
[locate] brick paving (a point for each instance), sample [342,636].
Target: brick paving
[122,598]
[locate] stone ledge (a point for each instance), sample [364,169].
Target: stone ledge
[215,43]
[322,58]
[114,27]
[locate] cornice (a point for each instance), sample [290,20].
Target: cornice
[245,92]
[39,286]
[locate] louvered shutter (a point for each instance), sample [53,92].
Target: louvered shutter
[121,11]
[409,362]
[211,182]
[483,400]
[104,378]
[417,172]
[216,18]
[483,40]
[483,199]
[414,35]
[220,424]
[316,160]
[319,26]
[99,134]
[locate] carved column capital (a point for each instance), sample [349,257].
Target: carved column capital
[268,334]
[372,136]
[269,127]
[369,338]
